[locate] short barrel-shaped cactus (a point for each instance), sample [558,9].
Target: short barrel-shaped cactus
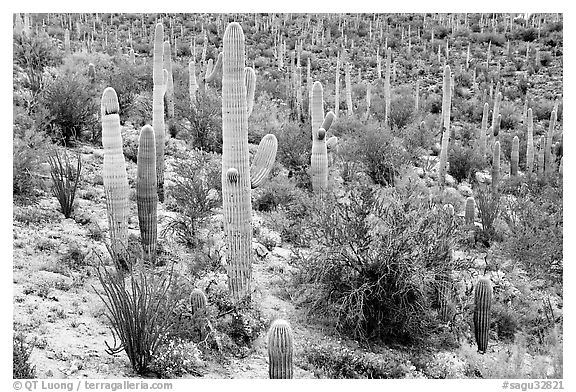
[280,350]
[198,301]
[483,303]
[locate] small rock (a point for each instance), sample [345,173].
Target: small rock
[483,178]
[282,253]
[259,249]
[419,171]
[449,180]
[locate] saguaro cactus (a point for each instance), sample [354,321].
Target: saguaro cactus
[483,303]
[280,350]
[320,124]
[495,167]
[114,177]
[484,130]
[530,143]
[496,112]
[250,81]
[337,89]
[349,89]
[541,161]
[169,95]
[387,93]
[198,301]
[470,210]
[236,182]
[549,161]
[67,50]
[446,103]
[146,192]
[514,157]
[159,88]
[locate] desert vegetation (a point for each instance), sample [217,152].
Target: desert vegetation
[288,195]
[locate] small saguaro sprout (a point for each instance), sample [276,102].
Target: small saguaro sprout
[280,350]
[483,303]
[470,210]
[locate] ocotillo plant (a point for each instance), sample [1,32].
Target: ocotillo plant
[146,192]
[114,177]
[514,156]
[548,159]
[483,303]
[158,91]
[446,103]
[495,167]
[530,143]
[320,124]
[470,210]
[280,350]
[236,182]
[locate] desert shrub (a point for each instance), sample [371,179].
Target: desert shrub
[175,358]
[294,149]
[33,54]
[464,162]
[278,191]
[27,148]
[65,179]
[495,38]
[193,193]
[511,116]
[401,108]
[489,207]
[21,350]
[202,123]
[128,80]
[418,139]
[136,308]
[68,108]
[528,34]
[140,110]
[374,260]
[379,154]
[336,361]
[535,219]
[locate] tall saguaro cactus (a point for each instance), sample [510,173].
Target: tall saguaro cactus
[495,167]
[484,130]
[530,143]
[146,192]
[236,183]
[169,95]
[114,177]
[158,91]
[446,103]
[549,162]
[320,124]
[348,81]
[280,350]
[387,93]
[483,303]
[337,89]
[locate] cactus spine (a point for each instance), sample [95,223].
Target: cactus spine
[470,210]
[515,155]
[280,350]
[114,176]
[482,302]
[158,91]
[236,182]
[495,167]
[146,192]
[530,143]
[446,102]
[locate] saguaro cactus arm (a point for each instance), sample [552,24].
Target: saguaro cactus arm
[250,80]
[215,70]
[263,160]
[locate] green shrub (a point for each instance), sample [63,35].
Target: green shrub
[68,108]
[26,151]
[21,350]
[464,162]
[401,108]
[201,124]
[175,358]
[374,260]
